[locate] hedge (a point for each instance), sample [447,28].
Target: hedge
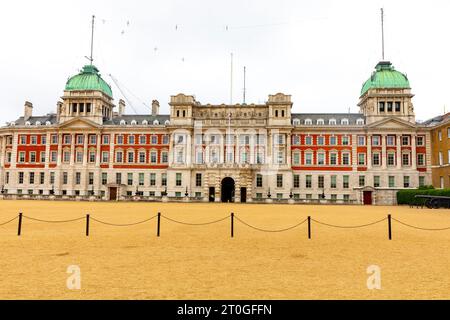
[408,196]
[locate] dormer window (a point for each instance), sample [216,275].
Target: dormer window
[144,122]
[123,122]
[320,122]
[360,122]
[308,122]
[133,122]
[344,122]
[38,123]
[156,122]
[28,123]
[332,122]
[296,122]
[48,123]
[167,122]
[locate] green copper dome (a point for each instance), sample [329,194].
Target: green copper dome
[88,79]
[385,76]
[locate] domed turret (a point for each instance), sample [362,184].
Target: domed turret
[386,93]
[88,79]
[87,96]
[385,76]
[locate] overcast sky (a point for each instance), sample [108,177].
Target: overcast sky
[320,52]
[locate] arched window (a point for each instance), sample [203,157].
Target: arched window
[48,123]
[167,122]
[123,122]
[144,122]
[133,122]
[320,122]
[28,123]
[296,122]
[360,122]
[332,122]
[156,122]
[344,122]
[38,123]
[308,122]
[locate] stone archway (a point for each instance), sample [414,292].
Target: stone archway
[227,190]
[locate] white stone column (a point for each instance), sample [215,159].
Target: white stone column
[413,152]
[14,150]
[288,148]
[369,151]
[98,151]
[59,160]
[354,159]
[383,152]
[47,150]
[72,148]
[111,150]
[188,149]
[3,150]
[85,149]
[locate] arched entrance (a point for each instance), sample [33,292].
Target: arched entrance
[227,190]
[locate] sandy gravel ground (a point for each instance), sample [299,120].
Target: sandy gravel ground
[203,262]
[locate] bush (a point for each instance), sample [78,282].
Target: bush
[408,196]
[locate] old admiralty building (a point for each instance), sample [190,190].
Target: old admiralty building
[90,149]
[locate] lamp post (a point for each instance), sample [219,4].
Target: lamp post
[268,194]
[52,192]
[290,194]
[186,193]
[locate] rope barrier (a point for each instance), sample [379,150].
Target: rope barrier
[124,224]
[349,227]
[54,221]
[419,228]
[5,223]
[195,224]
[266,230]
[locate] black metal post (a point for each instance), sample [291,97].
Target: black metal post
[158,228]
[390,226]
[19,227]
[232,225]
[309,227]
[87,225]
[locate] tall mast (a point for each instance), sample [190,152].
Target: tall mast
[92,41]
[244,85]
[231,80]
[382,33]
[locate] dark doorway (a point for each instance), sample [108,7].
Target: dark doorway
[227,190]
[367,197]
[212,194]
[243,195]
[112,193]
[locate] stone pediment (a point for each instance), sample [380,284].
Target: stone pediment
[79,123]
[391,124]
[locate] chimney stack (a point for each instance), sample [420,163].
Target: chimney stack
[121,107]
[28,110]
[155,108]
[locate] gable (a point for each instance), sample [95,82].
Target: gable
[79,123]
[392,124]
